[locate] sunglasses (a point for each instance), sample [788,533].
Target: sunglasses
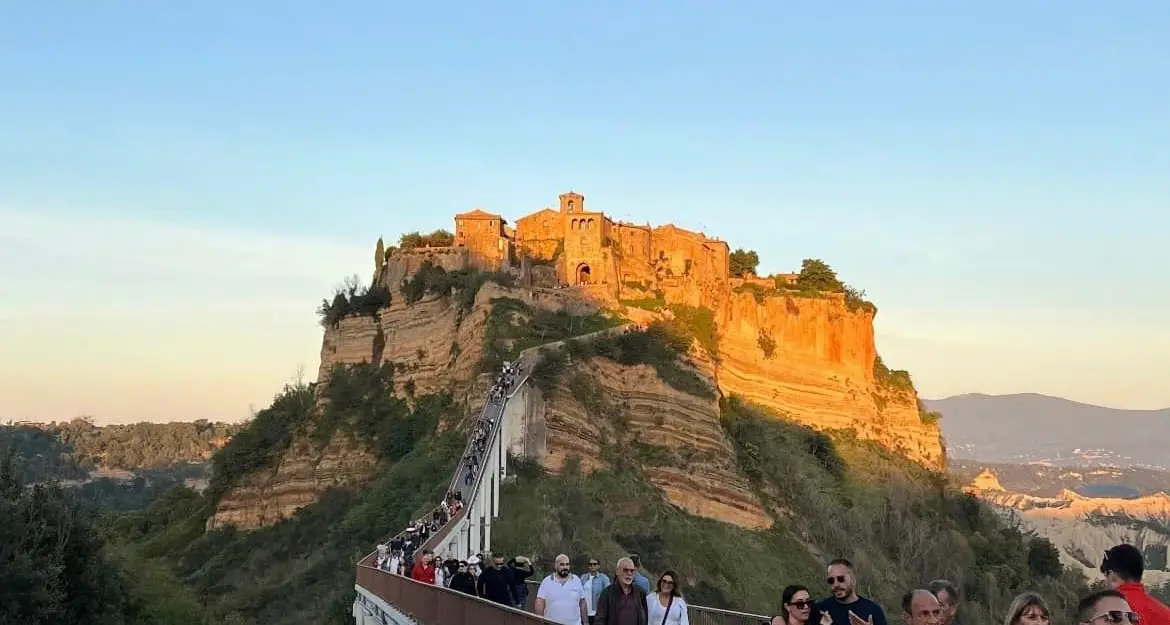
[802,604]
[593,563]
[666,582]
[1118,616]
[840,579]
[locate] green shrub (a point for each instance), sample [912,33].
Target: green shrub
[767,344]
[353,300]
[661,346]
[697,322]
[264,440]
[742,262]
[361,402]
[432,279]
[894,379]
[758,292]
[897,520]
[513,326]
[438,238]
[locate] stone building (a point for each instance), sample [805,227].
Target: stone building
[588,248]
[485,235]
[576,247]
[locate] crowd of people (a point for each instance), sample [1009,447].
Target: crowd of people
[570,599]
[1124,602]
[397,555]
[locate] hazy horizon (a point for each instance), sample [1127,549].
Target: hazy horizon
[181,185]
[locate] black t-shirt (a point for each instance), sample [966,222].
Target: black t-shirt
[864,608]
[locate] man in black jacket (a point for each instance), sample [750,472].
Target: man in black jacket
[622,603]
[496,583]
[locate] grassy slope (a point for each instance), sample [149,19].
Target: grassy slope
[834,496]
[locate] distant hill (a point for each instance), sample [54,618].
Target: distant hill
[1039,428]
[72,450]
[1044,480]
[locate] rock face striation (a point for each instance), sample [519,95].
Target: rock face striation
[821,372]
[1082,528]
[808,358]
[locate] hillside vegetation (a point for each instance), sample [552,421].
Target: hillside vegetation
[835,496]
[68,450]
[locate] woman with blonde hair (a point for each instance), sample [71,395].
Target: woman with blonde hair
[1028,609]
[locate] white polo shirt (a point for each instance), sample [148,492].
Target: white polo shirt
[562,602]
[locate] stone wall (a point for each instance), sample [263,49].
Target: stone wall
[404,263]
[540,234]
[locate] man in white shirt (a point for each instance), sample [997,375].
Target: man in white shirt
[561,597]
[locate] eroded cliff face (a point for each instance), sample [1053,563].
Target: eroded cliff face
[1082,528]
[269,496]
[676,437]
[435,344]
[820,371]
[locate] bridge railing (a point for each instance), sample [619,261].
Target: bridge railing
[429,604]
[696,614]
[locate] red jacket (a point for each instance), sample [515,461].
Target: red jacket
[426,574]
[1153,612]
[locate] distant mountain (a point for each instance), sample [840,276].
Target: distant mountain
[1038,428]
[1043,480]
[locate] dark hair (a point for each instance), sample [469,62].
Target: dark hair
[940,585]
[843,562]
[674,592]
[1088,604]
[908,599]
[636,560]
[1124,560]
[788,594]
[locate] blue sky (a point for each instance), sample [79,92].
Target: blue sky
[180,183]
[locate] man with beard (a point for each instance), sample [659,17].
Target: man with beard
[845,606]
[622,603]
[561,597]
[495,583]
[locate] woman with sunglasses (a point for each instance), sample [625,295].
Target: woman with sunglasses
[666,606]
[798,608]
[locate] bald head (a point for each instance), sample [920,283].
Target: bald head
[921,607]
[562,565]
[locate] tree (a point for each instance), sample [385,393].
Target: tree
[51,570]
[1043,558]
[379,255]
[743,262]
[438,238]
[817,275]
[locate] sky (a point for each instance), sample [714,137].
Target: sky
[181,183]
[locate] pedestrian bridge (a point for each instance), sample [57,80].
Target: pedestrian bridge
[385,598]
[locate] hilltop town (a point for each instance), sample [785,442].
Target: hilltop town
[573,246]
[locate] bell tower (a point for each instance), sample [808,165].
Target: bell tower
[572,202]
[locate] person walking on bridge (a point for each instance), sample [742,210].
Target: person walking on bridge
[1123,567]
[845,606]
[594,582]
[622,603]
[666,606]
[561,597]
[495,583]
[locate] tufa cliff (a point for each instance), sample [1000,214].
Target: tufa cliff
[443,317]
